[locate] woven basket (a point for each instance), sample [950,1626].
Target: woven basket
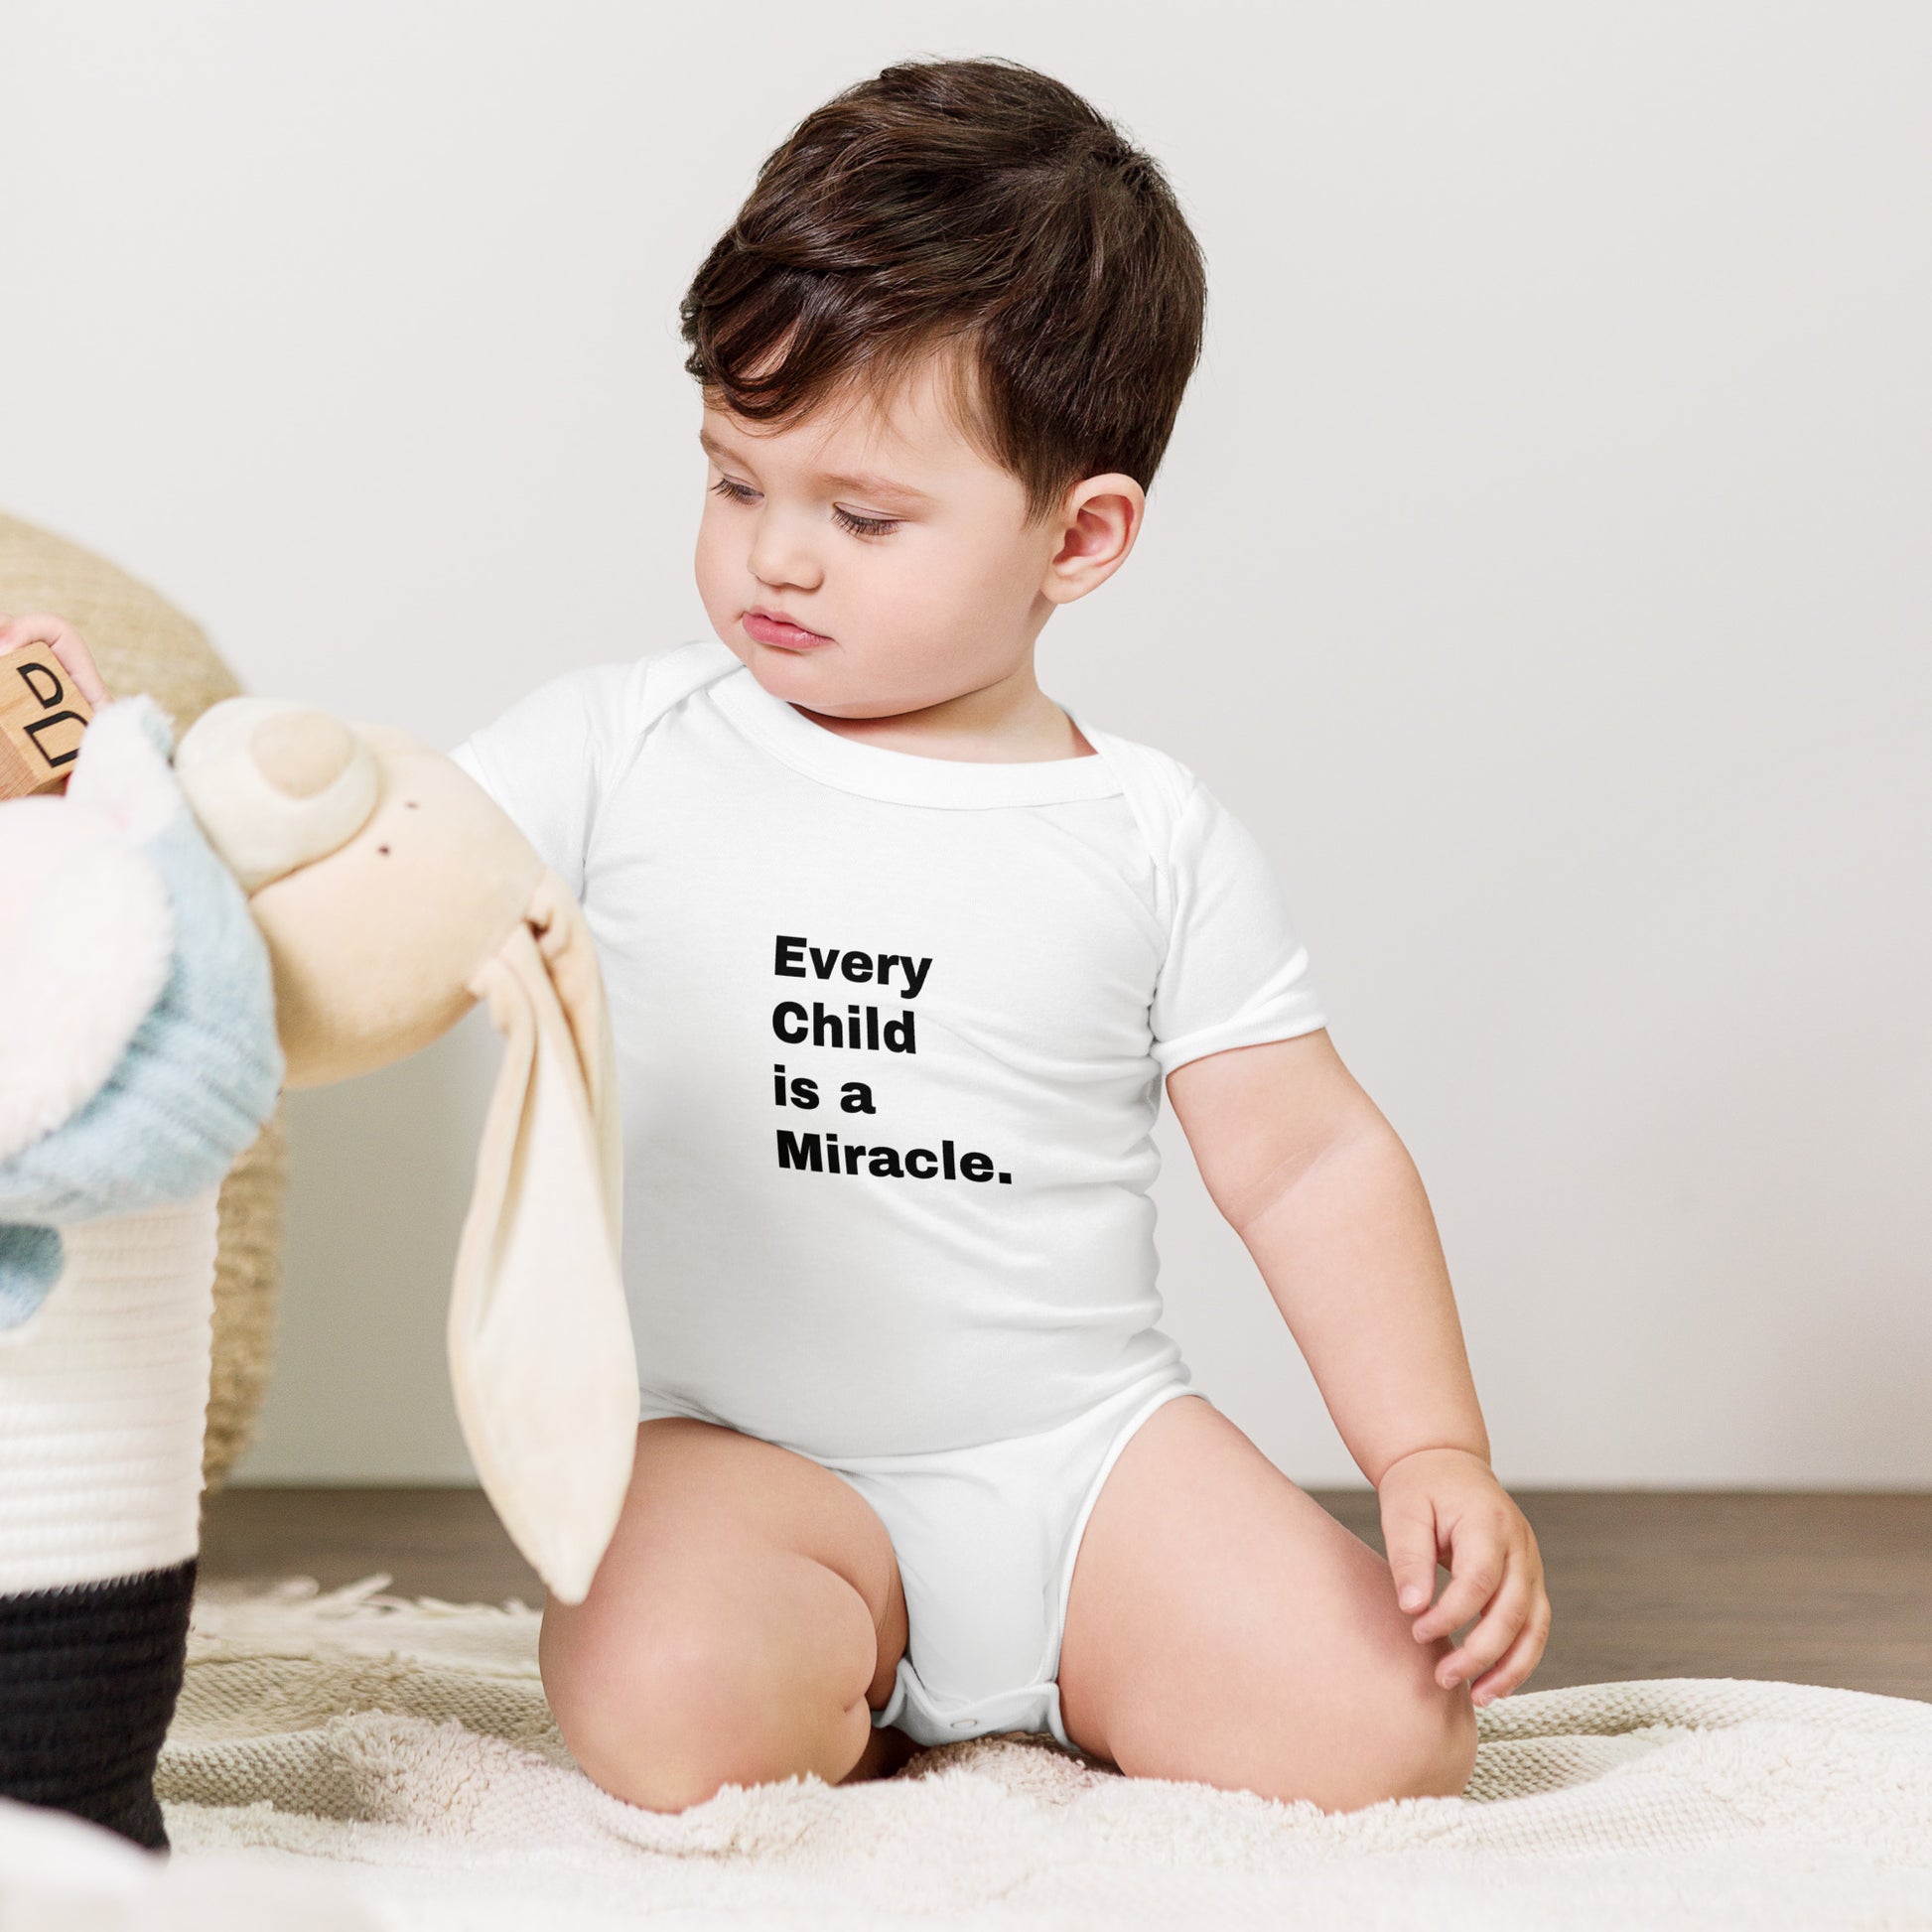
[142,643]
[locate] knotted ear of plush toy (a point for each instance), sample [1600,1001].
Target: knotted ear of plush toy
[394,894]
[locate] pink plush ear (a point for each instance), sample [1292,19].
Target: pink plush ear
[541,1358]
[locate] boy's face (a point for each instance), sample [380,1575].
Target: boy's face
[866,560]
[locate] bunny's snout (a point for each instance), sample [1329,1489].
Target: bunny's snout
[302,752]
[275,785]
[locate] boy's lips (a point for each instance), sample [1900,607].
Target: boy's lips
[769,627]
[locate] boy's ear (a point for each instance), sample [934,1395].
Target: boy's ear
[1098,523]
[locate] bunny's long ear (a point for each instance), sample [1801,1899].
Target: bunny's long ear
[541,1358]
[570,955]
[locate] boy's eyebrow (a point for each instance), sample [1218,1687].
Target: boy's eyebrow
[863,485]
[712,447]
[870,485]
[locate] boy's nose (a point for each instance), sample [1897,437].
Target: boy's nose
[782,556]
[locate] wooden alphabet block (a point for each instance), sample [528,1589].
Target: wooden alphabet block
[42,717]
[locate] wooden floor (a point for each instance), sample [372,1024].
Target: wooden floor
[1813,1587]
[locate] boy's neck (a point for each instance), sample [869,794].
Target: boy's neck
[1010,721]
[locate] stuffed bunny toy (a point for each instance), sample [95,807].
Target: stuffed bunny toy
[293,900]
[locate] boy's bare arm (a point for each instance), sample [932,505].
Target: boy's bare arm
[1313,1180]
[1307,1171]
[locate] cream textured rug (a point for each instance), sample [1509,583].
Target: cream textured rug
[366,1761]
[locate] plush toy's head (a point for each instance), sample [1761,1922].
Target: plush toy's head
[430,872]
[394,894]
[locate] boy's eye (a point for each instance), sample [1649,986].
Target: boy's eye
[734,492]
[865,527]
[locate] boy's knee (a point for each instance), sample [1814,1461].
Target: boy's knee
[1415,1738]
[640,1718]
[1441,1745]
[665,1719]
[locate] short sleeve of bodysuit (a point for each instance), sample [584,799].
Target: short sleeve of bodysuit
[547,760]
[1236,973]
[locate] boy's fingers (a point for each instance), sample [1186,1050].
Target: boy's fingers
[1494,1632]
[67,644]
[1516,1663]
[1476,1568]
[1410,1540]
[33,627]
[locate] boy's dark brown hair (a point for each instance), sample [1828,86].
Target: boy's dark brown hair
[974,207]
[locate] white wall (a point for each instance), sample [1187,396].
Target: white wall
[1540,568]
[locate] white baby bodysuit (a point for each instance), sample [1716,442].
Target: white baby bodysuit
[891,1035]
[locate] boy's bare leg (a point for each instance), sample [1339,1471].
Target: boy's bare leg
[746,1620]
[1222,1627]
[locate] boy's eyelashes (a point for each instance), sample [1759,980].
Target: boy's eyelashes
[860,526]
[864,526]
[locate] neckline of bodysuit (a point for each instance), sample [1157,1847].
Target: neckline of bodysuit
[906,777]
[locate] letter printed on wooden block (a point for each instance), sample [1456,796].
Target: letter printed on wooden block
[42,717]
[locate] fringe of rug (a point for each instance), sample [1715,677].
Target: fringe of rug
[366,1600]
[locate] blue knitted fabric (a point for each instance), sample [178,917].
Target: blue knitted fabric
[198,1082]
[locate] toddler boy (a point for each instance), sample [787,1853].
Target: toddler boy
[898,953]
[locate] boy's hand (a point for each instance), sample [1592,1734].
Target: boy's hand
[1446,1504]
[67,644]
